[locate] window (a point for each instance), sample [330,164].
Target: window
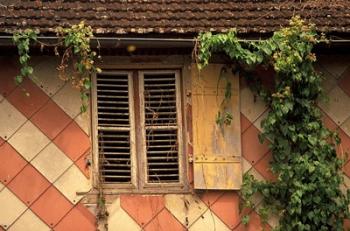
[138,142]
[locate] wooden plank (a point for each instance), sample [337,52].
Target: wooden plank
[220,145]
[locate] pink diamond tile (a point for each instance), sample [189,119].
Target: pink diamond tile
[73,141]
[51,206]
[346,168]
[11,163]
[346,224]
[164,221]
[1,141]
[79,218]
[344,148]
[245,123]
[51,119]
[208,221]
[142,208]
[227,209]
[210,197]
[83,163]
[328,122]
[28,98]
[252,149]
[7,76]
[263,167]
[344,82]
[28,185]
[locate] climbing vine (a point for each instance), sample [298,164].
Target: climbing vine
[77,56]
[224,117]
[306,194]
[22,41]
[77,42]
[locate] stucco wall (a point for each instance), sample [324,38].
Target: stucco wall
[44,144]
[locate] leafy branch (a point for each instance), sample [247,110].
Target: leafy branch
[224,116]
[77,42]
[77,55]
[307,193]
[22,40]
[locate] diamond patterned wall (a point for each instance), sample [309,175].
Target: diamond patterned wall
[44,143]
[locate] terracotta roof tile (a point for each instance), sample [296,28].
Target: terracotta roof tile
[172,16]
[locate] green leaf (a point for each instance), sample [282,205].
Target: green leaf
[312,140]
[83,108]
[19,79]
[245,219]
[87,84]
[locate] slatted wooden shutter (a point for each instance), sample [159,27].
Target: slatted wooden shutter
[217,149]
[161,114]
[115,127]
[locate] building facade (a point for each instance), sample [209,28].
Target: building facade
[149,142]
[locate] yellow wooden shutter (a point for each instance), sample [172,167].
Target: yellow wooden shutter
[216,149]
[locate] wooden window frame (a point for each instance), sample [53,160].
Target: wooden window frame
[139,182]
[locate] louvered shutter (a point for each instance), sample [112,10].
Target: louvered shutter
[217,149]
[115,127]
[161,114]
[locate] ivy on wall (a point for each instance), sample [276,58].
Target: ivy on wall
[77,56]
[307,193]
[22,41]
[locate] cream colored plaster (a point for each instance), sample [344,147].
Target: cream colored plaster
[338,105]
[29,221]
[346,126]
[10,208]
[208,221]
[72,182]
[29,140]
[251,107]
[51,162]
[10,119]
[68,98]
[246,165]
[83,120]
[256,174]
[186,208]
[346,184]
[118,219]
[46,75]
[257,123]
[328,82]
